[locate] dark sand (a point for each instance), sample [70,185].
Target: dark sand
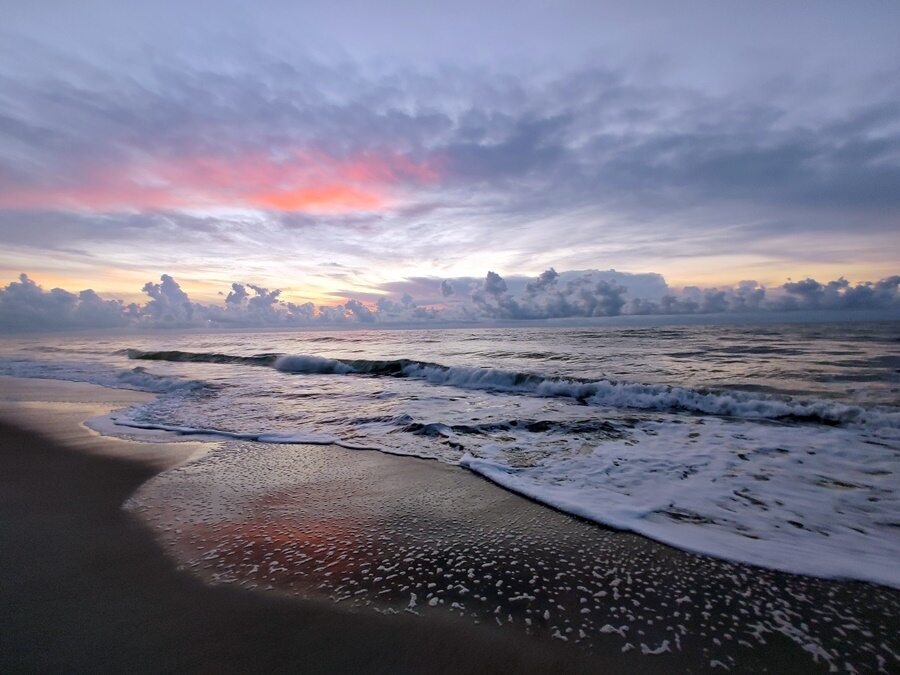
[85,586]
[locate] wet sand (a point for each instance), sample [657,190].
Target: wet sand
[243,556]
[85,588]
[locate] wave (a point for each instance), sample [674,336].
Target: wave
[200,357]
[136,378]
[312,365]
[258,436]
[105,423]
[599,392]
[704,489]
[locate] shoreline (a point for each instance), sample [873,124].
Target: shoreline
[405,502]
[86,588]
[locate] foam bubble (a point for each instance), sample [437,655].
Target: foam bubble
[602,392]
[95,373]
[312,365]
[818,501]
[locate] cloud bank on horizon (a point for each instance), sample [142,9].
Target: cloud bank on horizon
[219,141]
[25,306]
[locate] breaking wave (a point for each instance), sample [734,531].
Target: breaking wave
[136,378]
[602,392]
[199,357]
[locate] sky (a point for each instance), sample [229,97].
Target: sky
[345,152]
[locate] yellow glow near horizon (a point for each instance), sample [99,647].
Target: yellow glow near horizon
[126,284]
[771,274]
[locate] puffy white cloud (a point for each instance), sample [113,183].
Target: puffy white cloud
[840,294]
[747,296]
[457,291]
[237,295]
[26,306]
[359,311]
[168,305]
[545,298]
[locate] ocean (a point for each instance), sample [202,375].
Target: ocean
[773,445]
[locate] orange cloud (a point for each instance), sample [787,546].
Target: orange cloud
[297,182]
[323,198]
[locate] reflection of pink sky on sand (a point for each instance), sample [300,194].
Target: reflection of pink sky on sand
[267,551]
[278,538]
[312,182]
[373,532]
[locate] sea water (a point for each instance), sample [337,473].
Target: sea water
[774,445]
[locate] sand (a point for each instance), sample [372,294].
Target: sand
[183,578]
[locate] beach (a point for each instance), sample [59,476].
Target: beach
[86,589]
[423,338]
[166,583]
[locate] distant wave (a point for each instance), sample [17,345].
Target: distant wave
[200,357]
[136,378]
[602,392]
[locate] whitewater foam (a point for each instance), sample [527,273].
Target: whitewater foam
[115,422]
[789,481]
[603,392]
[200,433]
[137,379]
[819,501]
[310,365]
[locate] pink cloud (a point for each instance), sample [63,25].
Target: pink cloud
[299,181]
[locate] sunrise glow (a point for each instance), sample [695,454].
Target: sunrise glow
[303,182]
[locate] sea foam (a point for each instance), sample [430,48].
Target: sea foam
[799,484]
[599,392]
[819,501]
[95,373]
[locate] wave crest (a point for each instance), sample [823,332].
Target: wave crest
[313,365]
[200,357]
[602,392]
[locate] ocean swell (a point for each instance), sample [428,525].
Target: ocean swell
[599,392]
[135,378]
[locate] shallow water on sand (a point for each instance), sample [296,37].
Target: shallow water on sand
[396,535]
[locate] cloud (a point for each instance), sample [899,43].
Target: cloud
[747,296]
[576,165]
[301,181]
[359,311]
[126,132]
[841,294]
[237,295]
[168,305]
[25,306]
[434,291]
[544,298]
